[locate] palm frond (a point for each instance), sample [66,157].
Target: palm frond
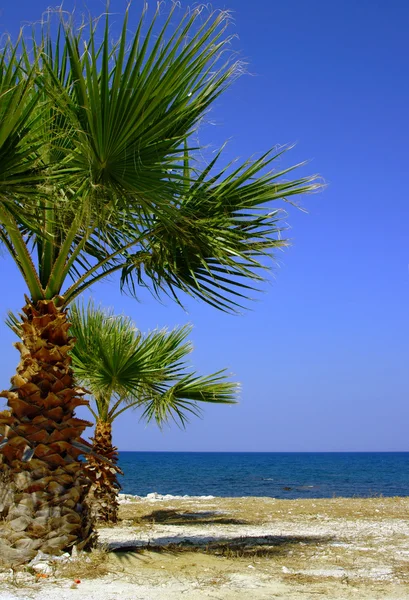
[98,172]
[20,114]
[123,368]
[182,399]
[216,248]
[111,357]
[129,111]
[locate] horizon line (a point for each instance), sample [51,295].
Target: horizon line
[271,451]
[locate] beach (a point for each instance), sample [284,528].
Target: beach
[170,547]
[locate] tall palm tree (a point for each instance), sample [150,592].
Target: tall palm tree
[97,177]
[124,369]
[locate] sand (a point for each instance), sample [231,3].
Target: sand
[168,548]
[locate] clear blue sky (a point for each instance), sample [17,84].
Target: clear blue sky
[323,356]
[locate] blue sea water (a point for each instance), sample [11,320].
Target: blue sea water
[275,474]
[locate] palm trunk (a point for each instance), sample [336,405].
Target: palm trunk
[6,494]
[103,493]
[44,505]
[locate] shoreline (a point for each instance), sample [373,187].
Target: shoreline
[156,496]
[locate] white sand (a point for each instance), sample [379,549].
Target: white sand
[358,560]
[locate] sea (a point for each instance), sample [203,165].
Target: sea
[273,474]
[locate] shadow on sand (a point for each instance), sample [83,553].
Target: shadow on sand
[233,547]
[175,517]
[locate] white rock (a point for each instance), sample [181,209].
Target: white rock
[155,496]
[40,557]
[43,567]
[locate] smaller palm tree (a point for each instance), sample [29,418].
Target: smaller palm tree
[124,369]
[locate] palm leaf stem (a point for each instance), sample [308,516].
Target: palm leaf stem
[22,254]
[69,297]
[57,274]
[13,254]
[46,245]
[92,411]
[74,255]
[78,286]
[114,415]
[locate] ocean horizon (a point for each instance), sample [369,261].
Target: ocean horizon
[273,474]
[263,452]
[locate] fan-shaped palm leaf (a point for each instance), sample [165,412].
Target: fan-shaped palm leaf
[98,170]
[123,368]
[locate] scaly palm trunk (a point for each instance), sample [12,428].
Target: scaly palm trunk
[43,505]
[103,493]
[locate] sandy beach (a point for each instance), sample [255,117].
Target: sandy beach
[166,548]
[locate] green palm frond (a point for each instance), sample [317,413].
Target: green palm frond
[221,237]
[97,169]
[128,111]
[180,400]
[123,368]
[20,115]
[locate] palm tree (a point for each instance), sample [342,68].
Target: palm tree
[124,369]
[97,177]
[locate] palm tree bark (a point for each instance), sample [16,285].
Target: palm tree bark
[44,497]
[103,493]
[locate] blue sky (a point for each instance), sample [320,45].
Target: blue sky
[323,354]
